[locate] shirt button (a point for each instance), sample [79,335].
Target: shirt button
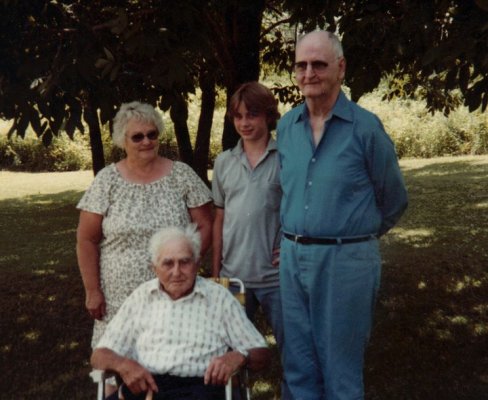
[306,207]
[309,183]
[313,159]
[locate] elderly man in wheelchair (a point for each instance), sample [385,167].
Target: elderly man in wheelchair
[171,337]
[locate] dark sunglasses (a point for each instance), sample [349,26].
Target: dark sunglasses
[139,137]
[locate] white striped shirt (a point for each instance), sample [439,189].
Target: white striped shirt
[179,337]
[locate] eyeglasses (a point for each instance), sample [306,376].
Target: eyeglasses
[317,66]
[139,137]
[169,263]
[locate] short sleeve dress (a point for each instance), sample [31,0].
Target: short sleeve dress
[132,213]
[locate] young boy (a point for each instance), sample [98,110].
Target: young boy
[247,194]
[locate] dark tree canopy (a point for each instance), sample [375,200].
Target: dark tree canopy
[64,63]
[427,47]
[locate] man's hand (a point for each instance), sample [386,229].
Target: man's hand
[222,368]
[136,377]
[275,261]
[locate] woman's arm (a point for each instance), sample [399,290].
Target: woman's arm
[202,216]
[88,237]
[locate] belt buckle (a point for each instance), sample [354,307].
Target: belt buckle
[297,238]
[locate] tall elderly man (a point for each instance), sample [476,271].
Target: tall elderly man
[172,334]
[342,189]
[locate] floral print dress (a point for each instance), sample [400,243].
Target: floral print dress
[132,213]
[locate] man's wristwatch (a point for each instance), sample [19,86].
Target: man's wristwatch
[245,353]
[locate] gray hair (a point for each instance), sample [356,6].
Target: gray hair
[331,36]
[138,111]
[165,235]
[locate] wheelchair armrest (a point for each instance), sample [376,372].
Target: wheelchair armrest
[99,377]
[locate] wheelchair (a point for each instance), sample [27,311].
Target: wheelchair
[238,383]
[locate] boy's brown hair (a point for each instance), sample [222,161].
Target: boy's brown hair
[257,98]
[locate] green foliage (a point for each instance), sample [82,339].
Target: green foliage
[415,131]
[63,60]
[419,133]
[30,154]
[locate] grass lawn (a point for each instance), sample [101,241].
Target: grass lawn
[430,337]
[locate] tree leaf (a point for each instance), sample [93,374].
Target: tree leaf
[109,55]
[102,62]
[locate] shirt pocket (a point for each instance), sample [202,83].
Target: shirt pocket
[271,194]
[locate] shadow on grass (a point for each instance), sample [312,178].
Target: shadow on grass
[431,332]
[45,333]
[431,328]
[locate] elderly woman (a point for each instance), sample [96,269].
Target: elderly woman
[172,334]
[126,203]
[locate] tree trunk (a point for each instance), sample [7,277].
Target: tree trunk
[202,145]
[179,116]
[90,116]
[244,24]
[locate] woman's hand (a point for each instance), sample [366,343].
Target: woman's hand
[95,304]
[88,237]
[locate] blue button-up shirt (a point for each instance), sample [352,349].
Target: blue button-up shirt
[349,185]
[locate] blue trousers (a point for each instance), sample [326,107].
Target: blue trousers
[270,301]
[328,296]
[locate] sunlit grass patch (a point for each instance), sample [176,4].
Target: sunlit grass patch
[482,205]
[480,329]
[422,285]
[419,237]
[9,258]
[32,335]
[45,271]
[465,283]
[270,339]
[6,348]
[68,346]
[23,318]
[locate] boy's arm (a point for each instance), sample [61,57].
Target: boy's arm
[218,225]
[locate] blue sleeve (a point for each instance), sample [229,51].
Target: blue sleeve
[386,176]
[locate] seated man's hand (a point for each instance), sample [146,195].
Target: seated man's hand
[136,377]
[222,368]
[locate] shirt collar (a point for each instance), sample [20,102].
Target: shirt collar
[341,109]
[239,149]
